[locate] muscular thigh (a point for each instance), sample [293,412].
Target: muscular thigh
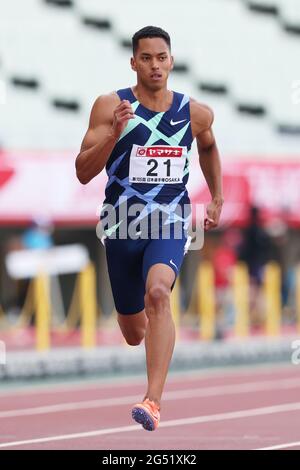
[124,262]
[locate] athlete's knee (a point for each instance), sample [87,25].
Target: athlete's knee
[133,334]
[158,293]
[134,339]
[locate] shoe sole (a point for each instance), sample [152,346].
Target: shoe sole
[142,417]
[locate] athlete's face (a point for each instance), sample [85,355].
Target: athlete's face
[152,62]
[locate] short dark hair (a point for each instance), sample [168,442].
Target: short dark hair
[150,32]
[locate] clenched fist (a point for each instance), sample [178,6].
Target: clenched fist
[122,114]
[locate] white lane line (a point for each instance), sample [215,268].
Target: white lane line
[217,390]
[281,446]
[174,377]
[166,424]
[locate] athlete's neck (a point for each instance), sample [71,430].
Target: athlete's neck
[156,100]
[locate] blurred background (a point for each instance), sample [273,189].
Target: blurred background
[240,57]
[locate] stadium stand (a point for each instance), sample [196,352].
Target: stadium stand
[57,56]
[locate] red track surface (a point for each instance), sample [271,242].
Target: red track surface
[226,409]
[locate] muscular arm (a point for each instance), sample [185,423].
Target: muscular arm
[108,118]
[209,157]
[210,163]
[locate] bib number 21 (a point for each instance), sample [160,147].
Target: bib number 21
[154,164]
[157,164]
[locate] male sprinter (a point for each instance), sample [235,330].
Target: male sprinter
[143,136]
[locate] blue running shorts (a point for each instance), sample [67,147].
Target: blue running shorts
[129,262]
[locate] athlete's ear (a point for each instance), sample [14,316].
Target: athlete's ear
[172,62]
[132,63]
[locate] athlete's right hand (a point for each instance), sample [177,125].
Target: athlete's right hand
[122,114]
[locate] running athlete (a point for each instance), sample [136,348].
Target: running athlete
[143,136]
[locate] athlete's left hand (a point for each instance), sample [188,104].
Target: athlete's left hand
[213,212]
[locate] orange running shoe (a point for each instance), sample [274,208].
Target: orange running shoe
[147,414]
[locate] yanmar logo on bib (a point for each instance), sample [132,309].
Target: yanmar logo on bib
[157,151]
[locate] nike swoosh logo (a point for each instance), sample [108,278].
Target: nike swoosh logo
[173,123]
[171,262]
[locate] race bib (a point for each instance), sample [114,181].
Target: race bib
[157,164]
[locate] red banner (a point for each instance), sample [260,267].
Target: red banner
[43,183]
